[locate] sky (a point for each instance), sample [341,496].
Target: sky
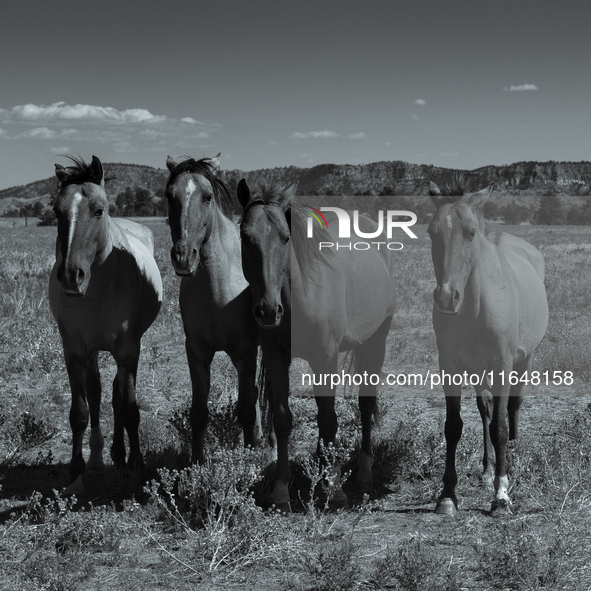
[452,83]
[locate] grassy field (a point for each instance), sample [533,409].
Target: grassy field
[210,526]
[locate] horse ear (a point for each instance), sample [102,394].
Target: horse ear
[478,199]
[96,169]
[243,192]
[288,195]
[61,173]
[435,194]
[170,163]
[215,163]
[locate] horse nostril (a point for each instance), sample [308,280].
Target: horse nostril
[456,297]
[279,310]
[194,251]
[258,311]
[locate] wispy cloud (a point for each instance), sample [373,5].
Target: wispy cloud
[521,87]
[314,134]
[358,136]
[420,102]
[61,110]
[60,150]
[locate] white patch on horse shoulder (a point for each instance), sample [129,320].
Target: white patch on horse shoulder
[449,225]
[73,217]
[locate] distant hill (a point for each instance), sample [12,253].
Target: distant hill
[526,179]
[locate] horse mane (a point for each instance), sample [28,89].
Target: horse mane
[80,172]
[306,249]
[203,166]
[455,188]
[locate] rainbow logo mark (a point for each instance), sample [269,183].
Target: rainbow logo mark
[317,215]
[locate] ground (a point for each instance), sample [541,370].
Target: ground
[132,538]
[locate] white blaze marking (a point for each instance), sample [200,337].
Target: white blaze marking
[191,186]
[189,190]
[73,217]
[449,221]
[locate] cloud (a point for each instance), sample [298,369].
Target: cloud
[60,150]
[314,134]
[522,87]
[41,133]
[416,117]
[62,111]
[358,136]
[3,132]
[122,130]
[420,102]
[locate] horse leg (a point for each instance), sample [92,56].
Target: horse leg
[199,359]
[93,387]
[76,366]
[448,503]
[500,434]
[118,446]
[372,360]
[515,398]
[327,429]
[484,400]
[278,378]
[248,393]
[127,409]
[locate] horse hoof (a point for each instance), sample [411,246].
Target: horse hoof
[338,501]
[363,486]
[488,480]
[446,506]
[281,506]
[76,487]
[501,507]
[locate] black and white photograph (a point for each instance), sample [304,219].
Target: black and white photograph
[295,296]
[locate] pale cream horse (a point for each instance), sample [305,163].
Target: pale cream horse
[490,313]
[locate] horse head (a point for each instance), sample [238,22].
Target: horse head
[455,230]
[266,250]
[193,192]
[82,219]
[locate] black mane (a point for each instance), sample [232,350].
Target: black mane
[80,172]
[203,167]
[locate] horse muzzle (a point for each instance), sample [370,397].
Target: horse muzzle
[447,300]
[74,281]
[267,316]
[184,260]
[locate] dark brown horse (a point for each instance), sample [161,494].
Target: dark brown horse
[105,291]
[216,304]
[312,306]
[490,313]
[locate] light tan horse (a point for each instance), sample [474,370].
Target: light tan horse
[105,291]
[490,313]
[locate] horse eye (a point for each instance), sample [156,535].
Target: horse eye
[470,234]
[98,213]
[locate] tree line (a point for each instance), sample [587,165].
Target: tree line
[141,202]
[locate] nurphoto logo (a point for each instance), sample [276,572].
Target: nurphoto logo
[387,221]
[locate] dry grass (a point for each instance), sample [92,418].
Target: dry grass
[209,539]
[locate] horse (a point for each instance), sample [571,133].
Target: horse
[214,297]
[105,291]
[490,313]
[313,305]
